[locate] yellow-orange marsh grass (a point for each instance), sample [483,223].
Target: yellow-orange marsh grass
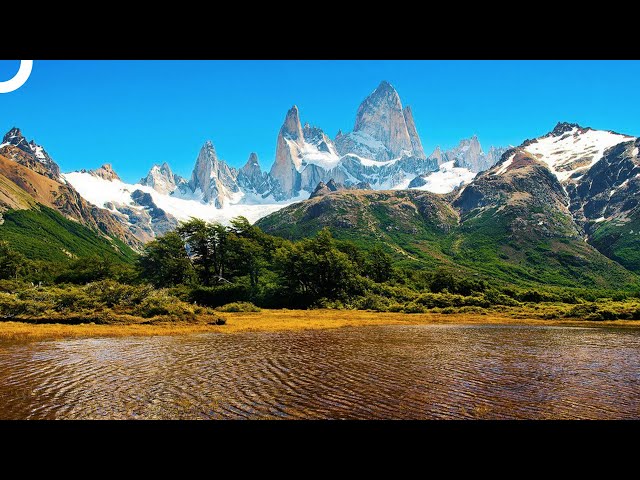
[277,320]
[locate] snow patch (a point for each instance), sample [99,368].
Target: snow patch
[38,151]
[367,162]
[99,191]
[447,178]
[559,152]
[505,165]
[598,220]
[326,160]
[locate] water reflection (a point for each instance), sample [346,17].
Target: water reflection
[408,372]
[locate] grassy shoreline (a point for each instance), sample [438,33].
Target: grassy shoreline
[281,320]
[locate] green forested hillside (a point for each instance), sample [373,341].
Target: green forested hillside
[508,245]
[41,233]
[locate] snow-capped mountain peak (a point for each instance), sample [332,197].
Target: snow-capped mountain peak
[48,167]
[213,179]
[570,150]
[162,179]
[384,151]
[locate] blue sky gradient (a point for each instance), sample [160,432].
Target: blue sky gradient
[133,114]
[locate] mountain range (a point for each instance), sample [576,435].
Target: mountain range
[384,151]
[560,209]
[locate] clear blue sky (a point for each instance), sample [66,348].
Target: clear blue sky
[137,113]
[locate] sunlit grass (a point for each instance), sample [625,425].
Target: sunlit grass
[281,320]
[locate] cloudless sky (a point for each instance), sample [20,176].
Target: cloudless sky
[133,114]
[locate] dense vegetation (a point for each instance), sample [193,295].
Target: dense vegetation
[44,234]
[505,246]
[187,274]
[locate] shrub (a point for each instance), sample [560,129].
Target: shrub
[472,309]
[161,303]
[11,306]
[413,307]
[582,310]
[374,302]
[330,304]
[442,300]
[219,295]
[239,307]
[494,297]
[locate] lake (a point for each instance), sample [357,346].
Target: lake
[388,372]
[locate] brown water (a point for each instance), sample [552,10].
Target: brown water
[414,372]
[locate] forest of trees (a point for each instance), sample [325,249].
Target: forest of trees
[204,265]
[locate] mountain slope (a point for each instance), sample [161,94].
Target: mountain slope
[511,223]
[600,173]
[27,180]
[41,233]
[516,225]
[409,223]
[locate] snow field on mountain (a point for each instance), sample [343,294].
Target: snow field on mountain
[100,192]
[559,152]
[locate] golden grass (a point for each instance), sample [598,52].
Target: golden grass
[279,320]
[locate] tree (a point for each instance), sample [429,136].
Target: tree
[249,250]
[379,265]
[315,268]
[88,269]
[165,262]
[196,234]
[246,257]
[207,247]
[11,262]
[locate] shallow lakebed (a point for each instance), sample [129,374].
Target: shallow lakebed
[374,372]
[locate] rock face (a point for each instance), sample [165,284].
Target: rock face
[159,221]
[574,182]
[469,154]
[416,144]
[211,178]
[419,181]
[381,118]
[105,172]
[383,131]
[438,156]
[162,179]
[288,162]
[33,156]
[332,186]
[252,180]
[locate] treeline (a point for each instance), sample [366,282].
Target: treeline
[201,266]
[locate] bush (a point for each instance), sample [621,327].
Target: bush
[219,295]
[161,303]
[413,307]
[239,307]
[11,306]
[442,300]
[582,310]
[494,297]
[330,304]
[374,302]
[471,309]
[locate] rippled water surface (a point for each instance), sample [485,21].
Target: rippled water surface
[413,372]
